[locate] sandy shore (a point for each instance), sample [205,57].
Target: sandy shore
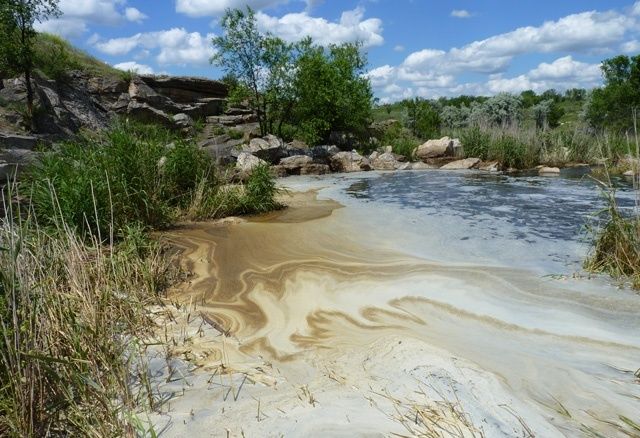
[307,322]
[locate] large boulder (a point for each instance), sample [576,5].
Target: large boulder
[247,162]
[186,89]
[297,147]
[323,153]
[435,149]
[349,162]
[467,163]
[141,92]
[419,165]
[387,161]
[300,165]
[269,148]
[147,114]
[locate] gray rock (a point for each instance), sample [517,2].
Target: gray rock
[324,153]
[247,162]
[467,163]
[183,121]
[147,114]
[186,89]
[296,161]
[419,165]
[17,141]
[270,150]
[387,161]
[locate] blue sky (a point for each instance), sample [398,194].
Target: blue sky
[426,48]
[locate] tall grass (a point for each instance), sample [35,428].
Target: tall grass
[70,308]
[616,244]
[137,175]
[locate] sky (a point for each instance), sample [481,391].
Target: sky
[415,48]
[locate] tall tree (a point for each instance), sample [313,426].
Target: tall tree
[17,20]
[261,63]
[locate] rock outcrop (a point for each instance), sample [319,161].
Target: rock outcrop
[387,161]
[349,162]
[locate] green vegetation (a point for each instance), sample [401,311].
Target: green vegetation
[296,90]
[133,174]
[79,272]
[54,57]
[611,107]
[17,54]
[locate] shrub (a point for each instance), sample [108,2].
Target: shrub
[132,174]
[476,142]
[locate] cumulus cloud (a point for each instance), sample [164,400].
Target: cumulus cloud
[133,14]
[134,66]
[351,27]
[203,8]
[460,13]
[435,72]
[77,15]
[632,46]
[171,47]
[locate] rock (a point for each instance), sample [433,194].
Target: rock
[296,161]
[324,153]
[490,166]
[349,162]
[549,171]
[458,149]
[467,163]
[247,162]
[435,149]
[315,169]
[141,92]
[232,120]
[387,149]
[269,149]
[147,114]
[300,165]
[17,141]
[183,121]
[629,174]
[387,161]
[374,155]
[186,89]
[419,165]
[296,147]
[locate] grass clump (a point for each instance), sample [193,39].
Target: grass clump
[616,247]
[70,311]
[135,175]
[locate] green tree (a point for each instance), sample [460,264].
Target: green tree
[17,18]
[262,64]
[423,118]
[612,105]
[332,92]
[547,114]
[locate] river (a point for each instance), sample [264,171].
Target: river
[422,303]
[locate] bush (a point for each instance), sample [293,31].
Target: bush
[132,174]
[476,142]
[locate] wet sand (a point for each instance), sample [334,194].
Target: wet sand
[342,333]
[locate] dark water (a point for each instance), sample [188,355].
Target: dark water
[549,208]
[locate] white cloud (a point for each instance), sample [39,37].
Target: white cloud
[632,46]
[172,47]
[133,14]
[635,9]
[203,8]
[77,15]
[352,27]
[399,48]
[435,72]
[134,66]
[460,13]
